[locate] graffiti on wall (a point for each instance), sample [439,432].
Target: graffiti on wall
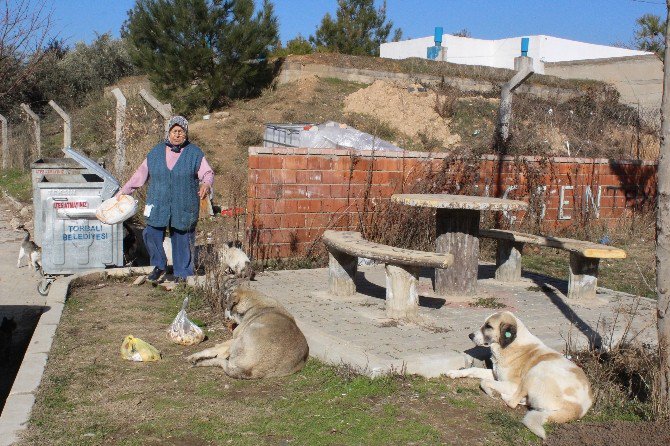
[586,200]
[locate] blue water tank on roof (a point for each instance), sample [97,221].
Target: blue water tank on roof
[524,46]
[438,35]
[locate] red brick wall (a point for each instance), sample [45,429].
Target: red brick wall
[295,194]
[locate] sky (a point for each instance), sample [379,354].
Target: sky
[603,22]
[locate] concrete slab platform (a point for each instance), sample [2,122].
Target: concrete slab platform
[355,330]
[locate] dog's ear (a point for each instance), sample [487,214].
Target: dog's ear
[507,334]
[232,300]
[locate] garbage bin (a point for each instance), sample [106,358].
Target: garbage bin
[73,240]
[49,166]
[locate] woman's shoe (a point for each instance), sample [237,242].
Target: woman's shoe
[155,275]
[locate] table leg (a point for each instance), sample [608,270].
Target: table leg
[458,234]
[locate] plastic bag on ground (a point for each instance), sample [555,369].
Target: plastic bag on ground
[115,210]
[135,349]
[183,331]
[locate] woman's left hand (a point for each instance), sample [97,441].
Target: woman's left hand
[204,190]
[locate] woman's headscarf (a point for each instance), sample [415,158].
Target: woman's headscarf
[181,122]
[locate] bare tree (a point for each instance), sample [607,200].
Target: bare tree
[24,27]
[663,237]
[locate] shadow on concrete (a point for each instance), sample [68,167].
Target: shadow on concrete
[480,353]
[17,324]
[543,283]
[364,286]
[594,339]
[486,272]
[548,286]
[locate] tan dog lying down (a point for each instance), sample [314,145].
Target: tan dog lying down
[266,342]
[525,371]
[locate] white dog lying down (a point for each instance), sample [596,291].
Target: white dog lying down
[525,371]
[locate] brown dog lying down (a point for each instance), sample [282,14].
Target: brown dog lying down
[266,342]
[525,371]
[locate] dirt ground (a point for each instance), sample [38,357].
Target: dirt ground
[614,433]
[408,108]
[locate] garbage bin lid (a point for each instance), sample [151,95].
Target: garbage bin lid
[110,184]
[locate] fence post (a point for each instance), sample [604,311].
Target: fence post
[36,119]
[165,110]
[120,156]
[524,66]
[67,124]
[5,146]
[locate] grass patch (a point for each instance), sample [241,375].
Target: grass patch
[509,429]
[17,184]
[91,396]
[487,302]
[347,87]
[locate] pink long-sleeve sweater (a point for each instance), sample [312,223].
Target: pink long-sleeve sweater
[205,172]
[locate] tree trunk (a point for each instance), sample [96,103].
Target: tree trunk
[663,236]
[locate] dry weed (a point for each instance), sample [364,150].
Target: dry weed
[623,370]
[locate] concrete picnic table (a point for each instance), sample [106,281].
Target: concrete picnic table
[457,230]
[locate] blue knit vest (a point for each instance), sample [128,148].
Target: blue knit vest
[174,193]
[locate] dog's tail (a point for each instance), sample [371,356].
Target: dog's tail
[534,421]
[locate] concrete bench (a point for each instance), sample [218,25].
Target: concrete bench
[402,269]
[584,258]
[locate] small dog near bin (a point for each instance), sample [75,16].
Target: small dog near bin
[30,250]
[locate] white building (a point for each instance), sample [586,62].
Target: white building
[501,53]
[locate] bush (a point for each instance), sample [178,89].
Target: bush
[71,78]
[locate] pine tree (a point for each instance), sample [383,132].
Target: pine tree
[295,46]
[202,52]
[359,29]
[650,34]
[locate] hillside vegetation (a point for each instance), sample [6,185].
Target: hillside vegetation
[413,116]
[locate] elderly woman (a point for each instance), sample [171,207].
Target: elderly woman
[179,176]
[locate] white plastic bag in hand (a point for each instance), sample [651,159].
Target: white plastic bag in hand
[116,209]
[183,331]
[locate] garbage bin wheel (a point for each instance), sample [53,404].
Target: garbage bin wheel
[43,287]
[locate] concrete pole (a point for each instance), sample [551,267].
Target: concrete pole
[524,67]
[5,146]
[67,124]
[165,110]
[36,120]
[120,156]
[662,393]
